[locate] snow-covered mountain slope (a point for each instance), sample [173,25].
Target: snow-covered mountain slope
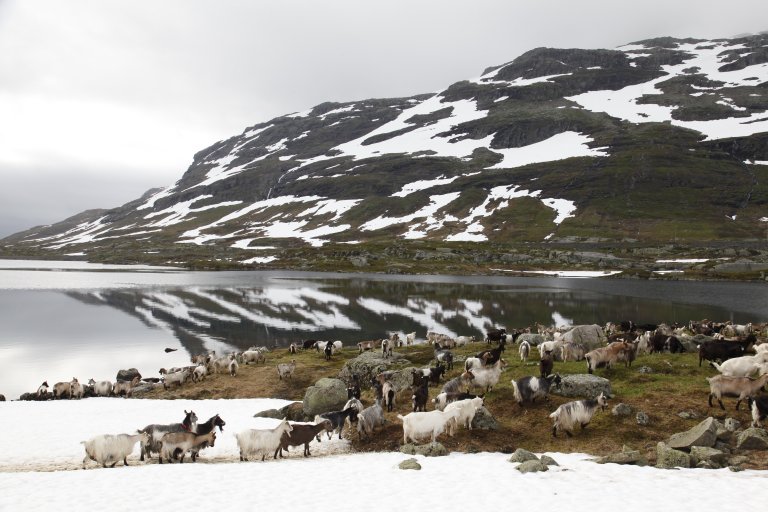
[651,138]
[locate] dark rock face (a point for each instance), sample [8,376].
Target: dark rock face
[128,375]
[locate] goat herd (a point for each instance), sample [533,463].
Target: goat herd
[738,352]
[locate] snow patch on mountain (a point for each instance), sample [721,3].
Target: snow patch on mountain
[558,147]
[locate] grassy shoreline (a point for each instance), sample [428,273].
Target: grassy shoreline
[677,384]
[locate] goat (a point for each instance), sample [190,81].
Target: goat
[386,348]
[486,377]
[176,378]
[496,335]
[467,409]
[76,389]
[464,340]
[253,356]
[605,356]
[233,366]
[420,424]
[263,441]
[434,374]
[124,387]
[156,432]
[528,389]
[420,396]
[199,373]
[293,348]
[743,366]
[721,351]
[101,388]
[546,364]
[578,412]
[302,434]
[365,345]
[738,387]
[370,418]
[389,392]
[179,443]
[759,409]
[221,364]
[108,448]
[524,350]
[42,391]
[338,419]
[444,356]
[477,362]
[443,399]
[205,427]
[286,369]
[62,389]
[306,344]
[456,384]
[573,351]
[410,338]
[493,354]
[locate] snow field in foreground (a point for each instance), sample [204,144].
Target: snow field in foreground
[46,435]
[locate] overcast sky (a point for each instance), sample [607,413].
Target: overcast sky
[101,100]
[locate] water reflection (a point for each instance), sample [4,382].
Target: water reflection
[127,321]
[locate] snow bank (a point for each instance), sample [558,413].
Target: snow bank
[45,436]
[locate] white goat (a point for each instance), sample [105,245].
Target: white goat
[221,364]
[199,373]
[176,378]
[76,389]
[410,338]
[253,356]
[463,340]
[179,443]
[524,350]
[108,448]
[286,369]
[485,377]
[261,441]
[421,424]
[743,366]
[579,412]
[233,366]
[101,388]
[467,410]
[125,387]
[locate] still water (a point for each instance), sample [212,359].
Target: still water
[60,320]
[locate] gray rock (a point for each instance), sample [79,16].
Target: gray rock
[732,425]
[531,338]
[522,455]
[738,460]
[128,375]
[582,386]
[532,466]
[752,439]
[688,415]
[428,450]
[548,461]
[292,412]
[723,434]
[370,364]
[484,420]
[736,469]
[624,457]
[715,458]
[326,395]
[642,419]
[591,336]
[410,464]
[668,458]
[621,410]
[645,369]
[703,434]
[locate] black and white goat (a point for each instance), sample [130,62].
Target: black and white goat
[528,389]
[579,412]
[338,419]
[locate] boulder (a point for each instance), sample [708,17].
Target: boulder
[582,385]
[531,338]
[623,457]
[667,457]
[703,434]
[484,420]
[712,457]
[428,450]
[591,336]
[291,412]
[548,461]
[621,410]
[522,455]
[128,374]
[326,395]
[369,364]
[532,466]
[752,439]
[642,419]
[732,425]
[410,464]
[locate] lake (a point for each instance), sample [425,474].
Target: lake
[60,320]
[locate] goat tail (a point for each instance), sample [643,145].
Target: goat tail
[714,365]
[400,417]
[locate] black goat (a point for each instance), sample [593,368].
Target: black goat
[496,335]
[420,396]
[204,428]
[546,364]
[494,354]
[337,419]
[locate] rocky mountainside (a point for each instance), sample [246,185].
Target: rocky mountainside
[656,142]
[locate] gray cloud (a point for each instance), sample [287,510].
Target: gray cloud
[135,88]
